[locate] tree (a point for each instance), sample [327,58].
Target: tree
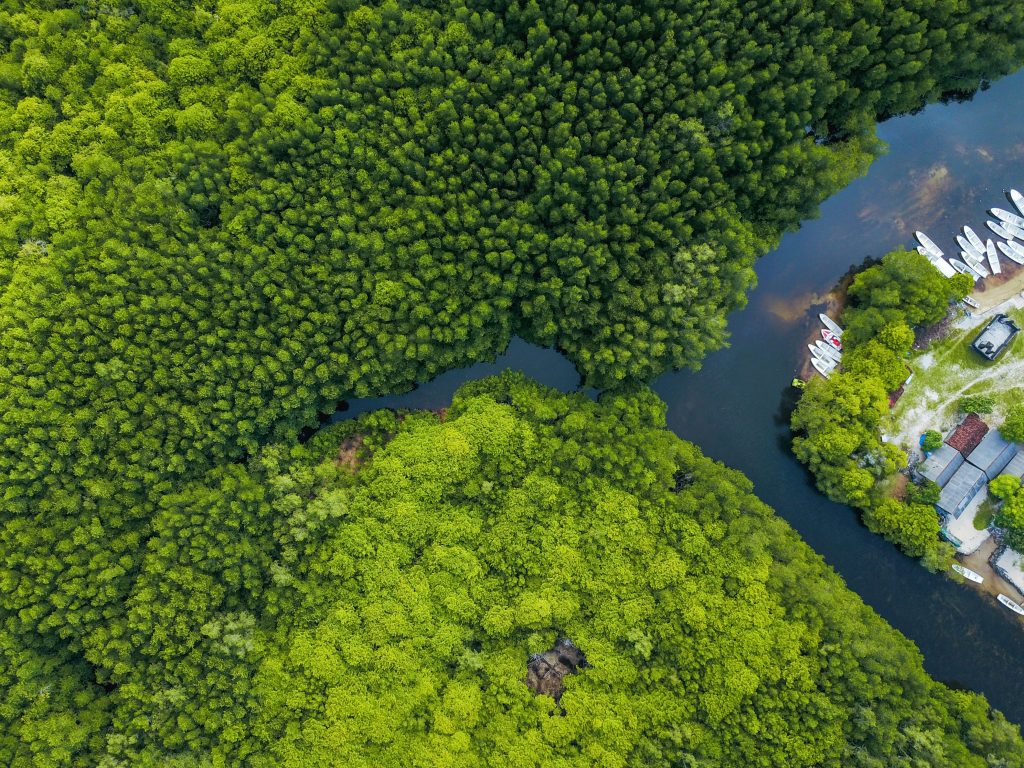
[1012,427]
[931,440]
[977,404]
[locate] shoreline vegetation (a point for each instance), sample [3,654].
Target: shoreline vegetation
[220,218]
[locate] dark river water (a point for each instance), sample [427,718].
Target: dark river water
[945,166]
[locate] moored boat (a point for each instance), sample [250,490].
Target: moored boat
[1018,200]
[1012,251]
[827,351]
[1011,605]
[821,367]
[963,269]
[831,324]
[974,239]
[927,243]
[971,303]
[965,244]
[974,263]
[967,573]
[999,230]
[1007,216]
[1014,231]
[831,339]
[993,257]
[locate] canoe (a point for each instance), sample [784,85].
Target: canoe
[832,339]
[1018,200]
[1012,251]
[993,257]
[1009,218]
[971,302]
[967,573]
[821,367]
[974,239]
[831,324]
[974,263]
[1011,605]
[964,243]
[999,230]
[963,269]
[927,243]
[827,351]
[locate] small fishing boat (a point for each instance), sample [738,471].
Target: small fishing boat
[831,339]
[967,573]
[965,244]
[1000,230]
[943,266]
[974,239]
[1014,231]
[1009,218]
[1018,200]
[828,351]
[974,263]
[927,243]
[971,303]
[963,269]
[831,324]
[1011,605]
[1012,251]
[821,367]
[993,257]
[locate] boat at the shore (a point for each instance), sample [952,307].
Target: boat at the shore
[1018,200]
[993,257]
[1012,251]
[1014,231]
[966,247]
[929,245]
[937,261]
[828,351]
[999,229]
[1007,216]
[971,303]
[822,367]
[974,263]
[976,241]
[832,339]
[967,573]
[963,269]
[831,324]
[1011,605]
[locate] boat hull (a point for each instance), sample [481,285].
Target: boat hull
[1011,605]
[831,339]
[963,269]
[975,264]
[974,240]
[1012,251]
[1018,200]
[1007,216]
[999,230]
[831,324]
[968,574]
[929,245]
[993,257]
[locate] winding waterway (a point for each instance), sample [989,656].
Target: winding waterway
[946,165]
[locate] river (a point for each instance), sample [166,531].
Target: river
[945,166]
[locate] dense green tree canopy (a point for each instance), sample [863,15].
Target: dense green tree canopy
[296,614]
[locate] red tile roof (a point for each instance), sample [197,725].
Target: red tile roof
[966,437]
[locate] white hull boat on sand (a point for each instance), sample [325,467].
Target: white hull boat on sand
[927,243]
[971,303]
[831,324]
[828,352]
[975,263]
[1009,218]
[1018,200]
[974,240]
[823,368]
[993,257]
[1000,230]
[1011,605]
[968,248]
[1012,251]
[963,269]
[967,573]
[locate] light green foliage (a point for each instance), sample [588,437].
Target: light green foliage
[1011,514]
[386,618]
[977,404]
[932,440]
[1013,427]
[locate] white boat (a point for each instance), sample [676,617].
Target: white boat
[963,269]
[971,303]
[943,266]
[1014,231]
[964,243]
[1000,230]
[974,239]
[1011,605]
[1018,200]
[1012,251]
[823,368]
[831,339]
[827,351]
[975,263]
[993,257]
[927,243]
[831,324]
[967,573]
[1009,218]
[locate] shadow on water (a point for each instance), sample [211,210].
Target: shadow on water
[946,165]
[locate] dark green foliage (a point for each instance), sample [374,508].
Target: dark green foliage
[925,492]
[1010,517]
[932,440]
[385,618]
[977,404]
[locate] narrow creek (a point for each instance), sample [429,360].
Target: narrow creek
[946,165]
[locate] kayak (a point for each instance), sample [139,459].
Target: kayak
[831,339]
[1018,200]
[974,239]
[1012,251]
[1011,605]
[927,243]
[993,257]
[1000,230]
[1009,218]
[974,263]
[964,243]
[821,367]
[963,269]
[967,573]
[827,351]
[831,324]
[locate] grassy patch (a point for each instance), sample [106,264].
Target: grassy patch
[986,512]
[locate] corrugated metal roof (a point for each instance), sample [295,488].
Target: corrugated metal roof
[941,464]
[961,489]
[992,454]
[1016,465]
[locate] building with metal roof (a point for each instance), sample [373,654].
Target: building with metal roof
[992,455]
[995,337]
[1016,465]
[940,466]
[965,483]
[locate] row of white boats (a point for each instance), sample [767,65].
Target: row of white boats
[977,578]
[827,352]
[979,258]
